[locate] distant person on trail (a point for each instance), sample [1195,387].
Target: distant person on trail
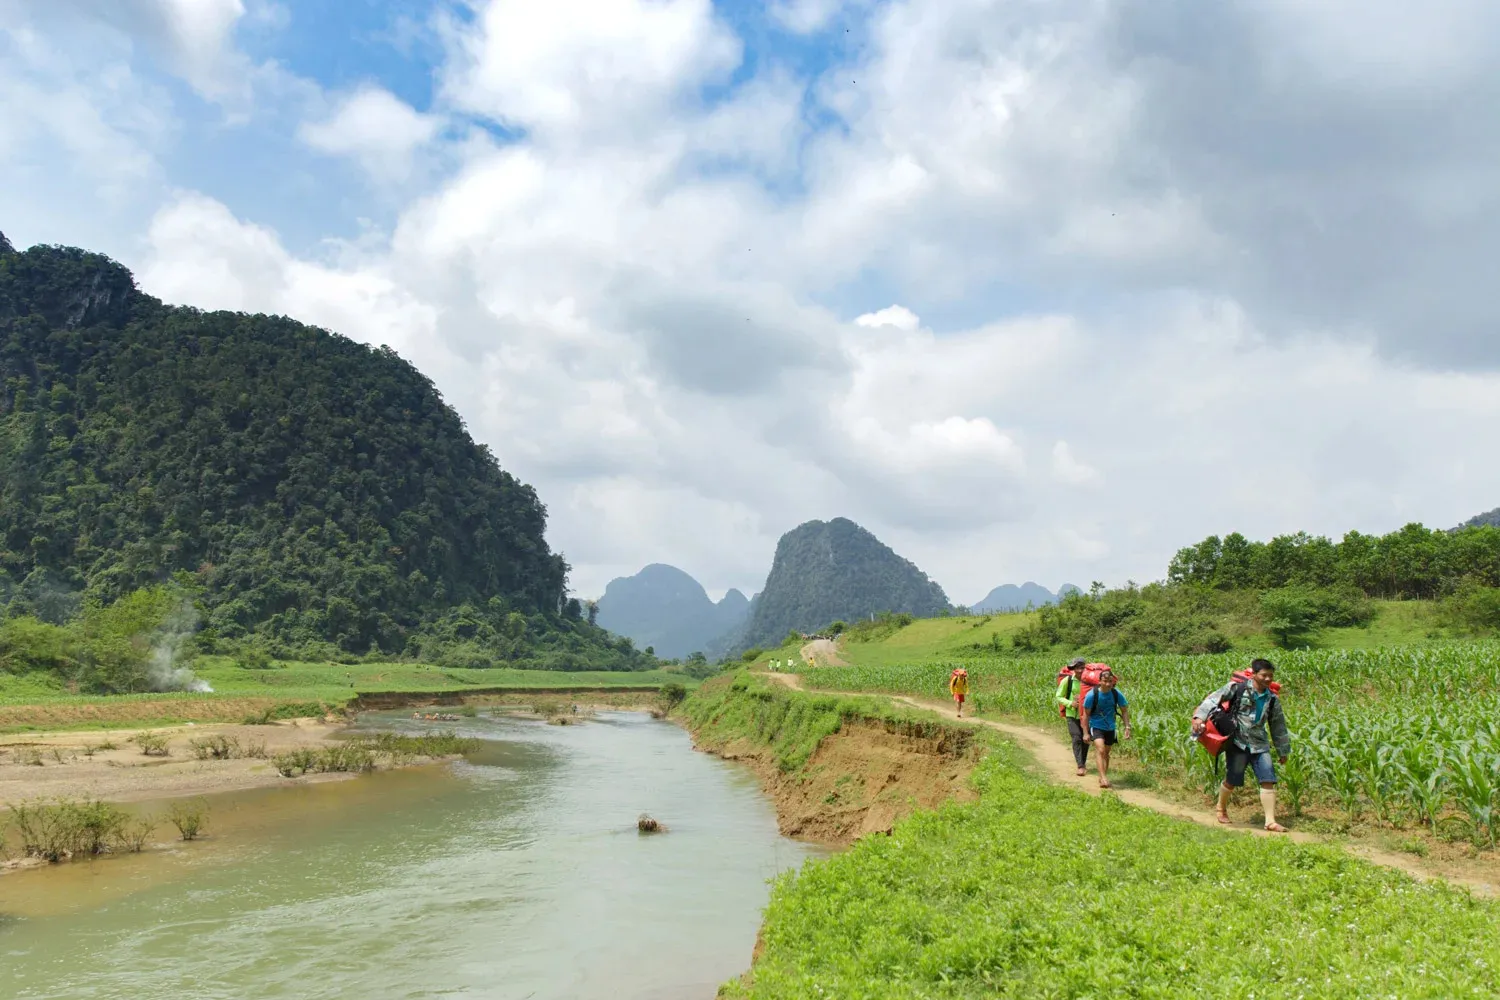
[1067,705]
[1099,708]
[958,686]
[1253,707]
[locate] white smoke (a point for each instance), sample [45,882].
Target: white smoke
[171,653]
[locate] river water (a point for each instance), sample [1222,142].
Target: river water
[517,875]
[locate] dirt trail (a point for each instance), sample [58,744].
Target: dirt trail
[1056,760]
[823,653]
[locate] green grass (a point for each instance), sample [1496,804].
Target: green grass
[746,706]
[29,703]
[336,682]
[1041,891]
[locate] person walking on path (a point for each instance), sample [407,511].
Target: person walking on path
[958,686]
[1253,708]
[1067,704]
[1099,708]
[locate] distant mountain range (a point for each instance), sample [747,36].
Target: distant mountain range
[1009,597]
[666,609]
[826,571]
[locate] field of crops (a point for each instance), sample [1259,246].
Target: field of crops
[1402,736]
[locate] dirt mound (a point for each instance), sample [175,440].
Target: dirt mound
[859,781]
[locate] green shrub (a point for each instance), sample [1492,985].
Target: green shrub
[188,817]
[152,744]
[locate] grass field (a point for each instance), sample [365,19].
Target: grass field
[1041,891]
[27,703]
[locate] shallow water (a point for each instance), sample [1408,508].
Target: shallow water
[515,874]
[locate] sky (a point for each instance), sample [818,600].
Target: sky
[1032,289]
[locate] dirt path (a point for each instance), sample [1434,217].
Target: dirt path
[823,653]
[1056,760]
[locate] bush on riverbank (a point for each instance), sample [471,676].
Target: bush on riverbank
[1038,890]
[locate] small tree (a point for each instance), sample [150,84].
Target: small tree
[1288,615]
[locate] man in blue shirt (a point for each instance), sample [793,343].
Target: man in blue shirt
[1099,708]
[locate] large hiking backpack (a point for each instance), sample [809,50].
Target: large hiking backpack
[1222,724]
[1090,680]
[959,675]
[1065,674]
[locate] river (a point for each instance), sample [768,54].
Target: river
[515,875]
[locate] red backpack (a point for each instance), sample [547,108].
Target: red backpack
[1089,681]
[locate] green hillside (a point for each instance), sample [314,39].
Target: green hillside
[311,493]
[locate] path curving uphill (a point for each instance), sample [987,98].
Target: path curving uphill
[1055,761]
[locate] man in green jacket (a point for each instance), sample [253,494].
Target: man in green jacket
[1067,699]
[1255,708]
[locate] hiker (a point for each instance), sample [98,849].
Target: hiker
[958,686]
[1067,707]
[1099,708]
[1253,707]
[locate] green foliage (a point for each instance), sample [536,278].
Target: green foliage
[152,744]
[68,829]
[1154,618]
[1411,563]
[826,571]
[1039,891]
[1287,615]
[132,644]
[188,817]
[751,655]
[1473,608]
[319,492]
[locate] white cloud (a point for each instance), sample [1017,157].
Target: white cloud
[375,127]
[1069,469]
[611,66]
[1169,253]
[805,16]
[897,316]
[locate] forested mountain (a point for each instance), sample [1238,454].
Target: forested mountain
[316,493]
[1009,597]
[663,608]
[830,571]
[1490,519]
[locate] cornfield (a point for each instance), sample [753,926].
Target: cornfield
[1402,736]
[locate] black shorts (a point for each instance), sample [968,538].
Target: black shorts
[1107,735]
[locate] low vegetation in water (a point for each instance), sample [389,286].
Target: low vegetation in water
[74,829]
[365,753]
[1041,891]
[1402,737]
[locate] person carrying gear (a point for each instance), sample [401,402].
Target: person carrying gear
[1099,708]
[1067,707]
[1247,709]
[958,686]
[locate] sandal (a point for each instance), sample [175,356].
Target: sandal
[1104,783]
[1275,828]
[1223,818]
[1082,771]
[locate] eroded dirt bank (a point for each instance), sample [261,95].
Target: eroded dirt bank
[861,780]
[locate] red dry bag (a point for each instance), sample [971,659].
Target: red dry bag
[1244,677]
[1091,674]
